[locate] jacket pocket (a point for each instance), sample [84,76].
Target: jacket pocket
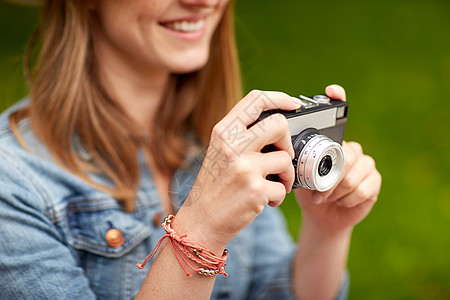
[100,227]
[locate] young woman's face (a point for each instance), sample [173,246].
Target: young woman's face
[170,34]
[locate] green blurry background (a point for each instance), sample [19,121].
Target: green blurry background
[393,58]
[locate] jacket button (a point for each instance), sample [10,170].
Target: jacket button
[157,219]
[114,238]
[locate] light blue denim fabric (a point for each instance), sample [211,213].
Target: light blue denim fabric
[53,226]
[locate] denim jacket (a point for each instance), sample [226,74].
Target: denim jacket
[53,227]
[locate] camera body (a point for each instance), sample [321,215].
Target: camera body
[317,131]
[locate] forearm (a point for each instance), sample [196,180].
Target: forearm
[320,263]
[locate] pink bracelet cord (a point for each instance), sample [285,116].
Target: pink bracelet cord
[194,251]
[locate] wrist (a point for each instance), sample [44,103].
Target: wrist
[196,231]
[326,225]
[320,262]
[322,249]
[321,233]
[204,261]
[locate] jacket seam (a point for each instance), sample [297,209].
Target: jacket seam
[30,181]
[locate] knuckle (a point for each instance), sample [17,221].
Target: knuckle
[349,183]
[217,130]
[276,123]
[285,159]
[243,167]
[292,174]
[362,194]
[255,190]
[226,153]
[373,200]
[356,147]
[348,160]
[284,95]
[254,93]
[351,156]
[218,152]
[280,121]
[379,178]
[258,209]
[281,192]
[370,161]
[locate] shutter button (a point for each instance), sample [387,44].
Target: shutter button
[114,238]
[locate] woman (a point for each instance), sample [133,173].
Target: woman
[123,98]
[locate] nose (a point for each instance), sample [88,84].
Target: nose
[203,3]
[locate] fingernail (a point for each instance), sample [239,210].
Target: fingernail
[333,86]
[296,100]
[317,198]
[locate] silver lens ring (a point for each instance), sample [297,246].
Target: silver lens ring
[311,158]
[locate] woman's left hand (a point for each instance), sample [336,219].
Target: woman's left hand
[353,196]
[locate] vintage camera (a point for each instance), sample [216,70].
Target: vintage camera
[317,130]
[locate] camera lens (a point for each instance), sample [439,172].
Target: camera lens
[318,161]
[325,165]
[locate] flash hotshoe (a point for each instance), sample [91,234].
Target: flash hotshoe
[317,130]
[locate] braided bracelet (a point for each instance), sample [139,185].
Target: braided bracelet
[194,251]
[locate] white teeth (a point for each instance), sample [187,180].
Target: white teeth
[186,26]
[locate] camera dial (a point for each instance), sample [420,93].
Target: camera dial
[318,160]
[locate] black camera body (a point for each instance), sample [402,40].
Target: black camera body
[317,131]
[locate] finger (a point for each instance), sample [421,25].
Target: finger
[254,103]
[367,190]
[276,193]
[336,92]
[353,179]
[352,153]
[272,130]
[279,163]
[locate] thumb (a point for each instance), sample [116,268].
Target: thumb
[336,92]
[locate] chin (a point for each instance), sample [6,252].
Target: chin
[189,63]
[186,69]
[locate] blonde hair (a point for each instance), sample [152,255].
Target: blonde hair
[68,99]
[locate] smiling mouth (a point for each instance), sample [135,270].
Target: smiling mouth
[185,26]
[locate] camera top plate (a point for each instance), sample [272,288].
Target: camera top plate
[342,108]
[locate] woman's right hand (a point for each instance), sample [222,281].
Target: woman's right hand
[231,189]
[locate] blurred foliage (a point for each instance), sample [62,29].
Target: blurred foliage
[393,58]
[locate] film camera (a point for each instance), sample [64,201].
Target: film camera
[317,130]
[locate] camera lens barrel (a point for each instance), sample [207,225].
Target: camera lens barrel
[325,165]
[318,160]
